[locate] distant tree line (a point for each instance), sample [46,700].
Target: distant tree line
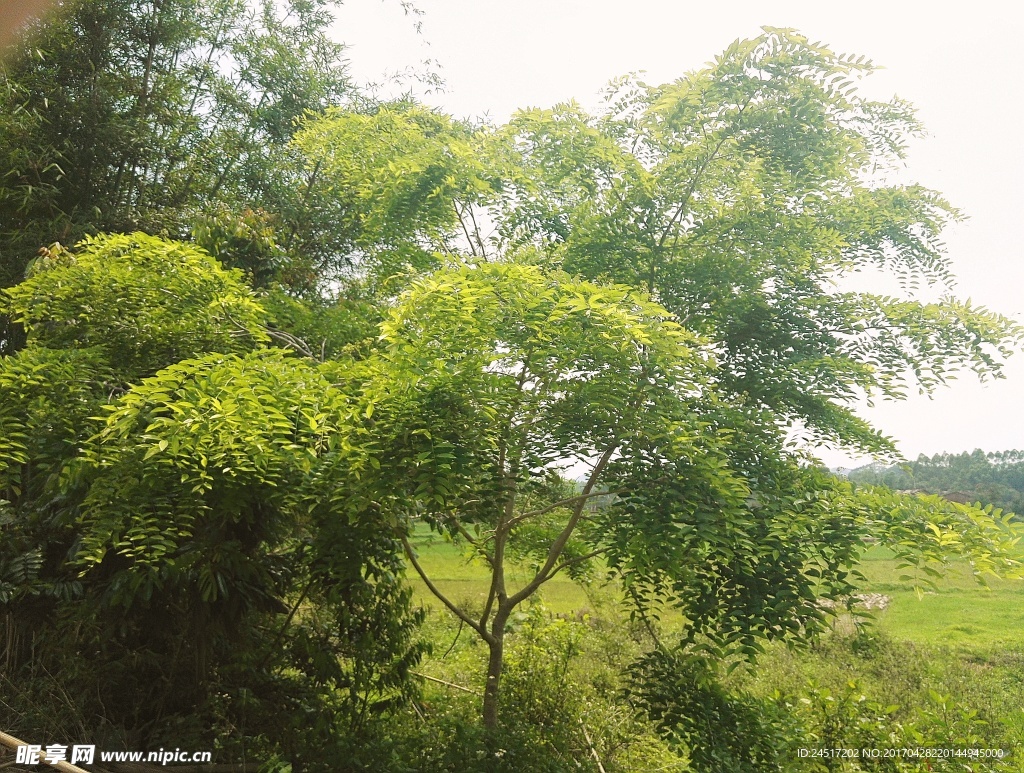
[995,478]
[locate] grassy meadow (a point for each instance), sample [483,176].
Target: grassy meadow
[958,612]
[464,579]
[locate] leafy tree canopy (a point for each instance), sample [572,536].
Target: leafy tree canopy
[704,227]
[125,115]
[738,196]
[647,298]
[172,491]
[494,377]
[144,302]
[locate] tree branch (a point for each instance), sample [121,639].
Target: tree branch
[476,232]
[465,230]
[677,215]
[446,684]
[644,617]
[577,560]
[13,743]
[456,610]
[593,751]
[555,505]
[558,545]
[464,533]
[491,594]
[284,627]
[292,342]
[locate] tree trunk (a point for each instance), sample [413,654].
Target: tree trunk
[494,666]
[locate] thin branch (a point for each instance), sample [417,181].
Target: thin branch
[677,216]
[697,175]
[492,592]
[505,435]
[593,751]
[644,617]
[508,469]
[284,627]
[469,239]
[477,545]
[305,199]
[456,610]
[446,684]
[476,232]
[464,533]
[558,545]
[556,505]
[292,342]
[419,712]
[458,633]
[289,340]
[577,560]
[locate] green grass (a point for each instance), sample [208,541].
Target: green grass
[957,613]
[951,661]
[465,580]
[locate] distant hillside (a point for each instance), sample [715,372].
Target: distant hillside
[994,478]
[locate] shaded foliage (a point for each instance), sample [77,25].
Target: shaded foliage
[125,115]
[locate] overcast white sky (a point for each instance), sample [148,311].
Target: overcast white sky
[960,64]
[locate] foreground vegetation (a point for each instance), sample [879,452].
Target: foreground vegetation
[942,670]
[852,691]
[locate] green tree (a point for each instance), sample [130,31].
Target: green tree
[655,304]
[215,501]
[737,196]
[994,478]
[99,317]
[732,201]
[405,181]
[125,115]
[492,375]
[493,378]
[141,301]
[172,492]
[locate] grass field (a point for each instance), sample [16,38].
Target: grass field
[957,613]
[465,581]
